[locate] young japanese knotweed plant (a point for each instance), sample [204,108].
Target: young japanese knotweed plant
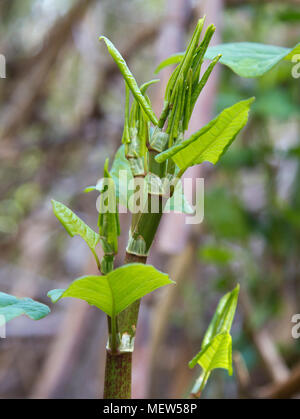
[153,156]
[216,348]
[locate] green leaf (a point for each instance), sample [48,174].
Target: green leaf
[130,80]
[217,354]
[173,59]
[247,59]
[115,291]
[294,51]
[250,59]
[11,307]
[223,317]
[75,226]
[216,348]
[211,141]
[145,86]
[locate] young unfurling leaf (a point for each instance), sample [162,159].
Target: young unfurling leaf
[216,348]
[211,141]
[178,92]
[75,226]
[171,60]
[115,291]
[129,79]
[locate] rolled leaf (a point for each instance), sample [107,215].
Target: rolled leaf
[130,80]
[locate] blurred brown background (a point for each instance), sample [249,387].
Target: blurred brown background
[61,116]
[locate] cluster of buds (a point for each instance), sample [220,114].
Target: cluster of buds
[185,86]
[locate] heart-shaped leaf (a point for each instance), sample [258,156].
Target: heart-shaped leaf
[115,291]
[211,141]
[11,307]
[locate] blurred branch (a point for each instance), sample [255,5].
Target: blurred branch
[57,147]
[270,357]
[241,374]
[179,268]
[28,88]
[286,389]
[63,351]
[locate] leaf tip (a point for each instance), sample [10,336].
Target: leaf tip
[191,365]
[106,170]
[251,100]
[89,189]
[201,20]
[55,295]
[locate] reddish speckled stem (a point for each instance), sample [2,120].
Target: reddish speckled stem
[118,376]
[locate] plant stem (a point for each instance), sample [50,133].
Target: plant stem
[117,383]
[127,320]
[113,335]
[119,364]
[199,385]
